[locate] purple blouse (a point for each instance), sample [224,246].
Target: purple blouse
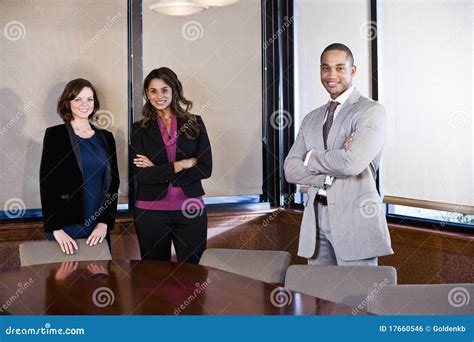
[175,197]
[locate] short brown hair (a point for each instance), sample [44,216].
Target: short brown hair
[72,89]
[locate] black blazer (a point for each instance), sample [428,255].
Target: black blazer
[152,182]
[61,179]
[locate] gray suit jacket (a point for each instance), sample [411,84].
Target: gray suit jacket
[356,212]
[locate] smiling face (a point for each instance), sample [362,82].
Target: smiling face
[159,94]
[83,104]
[337,72]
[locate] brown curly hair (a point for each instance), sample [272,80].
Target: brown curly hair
[180,106]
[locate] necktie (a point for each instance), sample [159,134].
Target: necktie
[328,123]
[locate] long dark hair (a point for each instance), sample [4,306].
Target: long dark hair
[180,106]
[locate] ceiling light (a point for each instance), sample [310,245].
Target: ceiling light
[178,8]
[212,3]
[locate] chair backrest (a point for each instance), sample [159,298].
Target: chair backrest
[267,266]
[427,299]
[347,285]
[46,252]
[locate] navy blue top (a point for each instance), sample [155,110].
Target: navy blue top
[94,165]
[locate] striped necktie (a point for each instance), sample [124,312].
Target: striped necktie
[328,123]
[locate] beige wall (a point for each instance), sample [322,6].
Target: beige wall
[318,24]
[43,45]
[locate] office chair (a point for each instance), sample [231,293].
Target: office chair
[427,299]
[267,266]
[46,252]
[348,285]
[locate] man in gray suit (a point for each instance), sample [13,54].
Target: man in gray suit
[337,154]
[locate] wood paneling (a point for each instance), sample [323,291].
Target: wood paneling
[421,255]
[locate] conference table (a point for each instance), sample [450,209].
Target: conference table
[132,287]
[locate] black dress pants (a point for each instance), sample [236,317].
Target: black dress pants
[156,229]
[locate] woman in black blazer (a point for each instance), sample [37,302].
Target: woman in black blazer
[78,174]
[171,155]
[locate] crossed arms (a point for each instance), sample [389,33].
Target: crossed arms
[350,160]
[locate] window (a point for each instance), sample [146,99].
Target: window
[425,83]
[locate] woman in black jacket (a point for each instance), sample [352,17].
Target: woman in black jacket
[171,155]
[78,174]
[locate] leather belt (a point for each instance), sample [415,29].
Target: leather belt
[321,197]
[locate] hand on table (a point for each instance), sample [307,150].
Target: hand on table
[97,235]
[67,243]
